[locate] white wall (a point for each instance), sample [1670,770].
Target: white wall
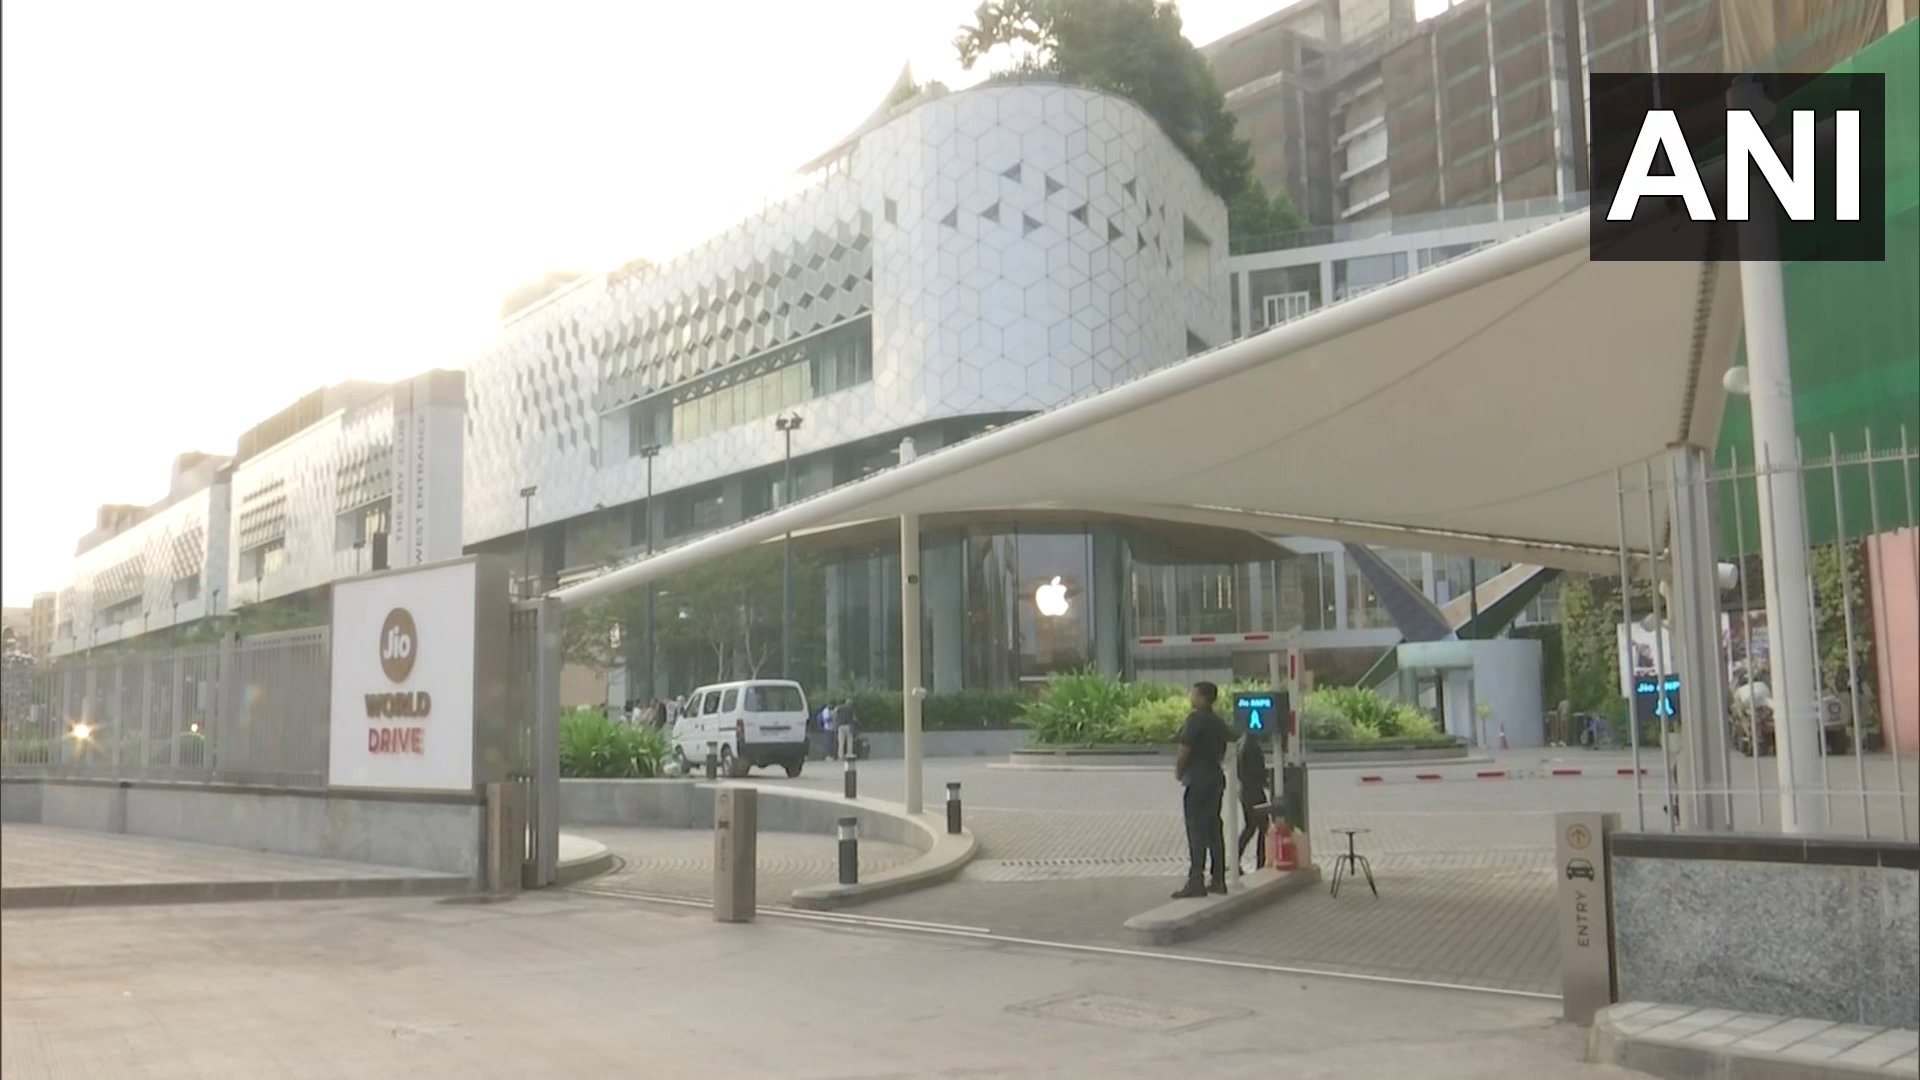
[187,537]
[988,294]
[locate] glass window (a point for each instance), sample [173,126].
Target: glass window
[1055,571]
[1310,579]
[1152,617]
[863,595]
[710,704]
[709,511]
[729,700]
[1204,599]
[829,361]
[1351,277]
[1283,281]
[1365,610]
[990,611]
[774,699]
[1433,256]
[1277,308]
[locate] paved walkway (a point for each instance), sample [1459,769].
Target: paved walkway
[1678,1040]
[567,984]
[39,855]
[1466,897]
[679,862]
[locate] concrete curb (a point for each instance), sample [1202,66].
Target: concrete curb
[942,855]
[581,859]
[1680,1058]
[942,862]
[202,892]
[803,810]
[1183,920]
[1313,765]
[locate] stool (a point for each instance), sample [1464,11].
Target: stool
[1348,863]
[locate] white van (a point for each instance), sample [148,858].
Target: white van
[748,724]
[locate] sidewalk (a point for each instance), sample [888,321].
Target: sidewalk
[573,985]
[43,866]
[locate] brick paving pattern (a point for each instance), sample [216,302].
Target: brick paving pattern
[35,856]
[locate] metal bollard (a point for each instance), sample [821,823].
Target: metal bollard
[849,832]
[849,779]
[953,807]
[713,762]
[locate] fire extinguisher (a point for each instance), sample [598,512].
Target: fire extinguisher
[1282,855]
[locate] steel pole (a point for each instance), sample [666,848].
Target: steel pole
[653,689]
[1783,538]
[526,549]
[786,567]
[910,653]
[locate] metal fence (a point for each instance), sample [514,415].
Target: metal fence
[1861,558]
[246,711]
[523,664]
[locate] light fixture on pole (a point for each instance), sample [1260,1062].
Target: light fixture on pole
[787,425]
[526,540]
[649,452]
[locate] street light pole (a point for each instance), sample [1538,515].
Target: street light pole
[1783,533]
[650,451]
[526,540]
[787,425]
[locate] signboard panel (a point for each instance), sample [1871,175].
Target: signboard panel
[1584,913]
[403,680]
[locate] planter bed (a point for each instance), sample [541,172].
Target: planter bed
[1378,751]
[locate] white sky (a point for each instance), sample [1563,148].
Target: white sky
[213,208]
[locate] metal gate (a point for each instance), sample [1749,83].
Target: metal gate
[1703,673]
[242,711]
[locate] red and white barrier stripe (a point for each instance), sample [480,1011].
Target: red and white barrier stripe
[1499,774]
[1176,640]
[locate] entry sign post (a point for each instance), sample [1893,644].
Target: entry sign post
[1584,912]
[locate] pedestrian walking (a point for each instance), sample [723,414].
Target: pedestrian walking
[1198,766]
[846,729]
[1253,797]
[824,721]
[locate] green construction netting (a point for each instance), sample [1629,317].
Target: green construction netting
[1854,332]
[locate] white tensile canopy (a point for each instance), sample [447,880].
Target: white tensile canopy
[1482,407]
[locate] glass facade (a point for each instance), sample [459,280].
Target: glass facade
[834,359]
[1351,277]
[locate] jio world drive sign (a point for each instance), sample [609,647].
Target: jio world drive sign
[419,697]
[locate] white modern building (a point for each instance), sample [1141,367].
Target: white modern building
[960,260]
[351,478]
[145,568]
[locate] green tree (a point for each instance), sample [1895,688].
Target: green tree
[716,621]
[1590,621]
[1259,222]
[1134,48]
[1830,603]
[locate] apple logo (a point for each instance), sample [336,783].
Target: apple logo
[1051,599]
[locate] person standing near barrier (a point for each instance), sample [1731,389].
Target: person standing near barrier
[844,730]
[1198,765]
[1253,795]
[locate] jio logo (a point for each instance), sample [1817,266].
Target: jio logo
[398,644]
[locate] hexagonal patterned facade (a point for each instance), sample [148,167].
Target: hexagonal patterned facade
[160,571]
[1003,249]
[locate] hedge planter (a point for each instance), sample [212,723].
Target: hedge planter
[1117,755]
